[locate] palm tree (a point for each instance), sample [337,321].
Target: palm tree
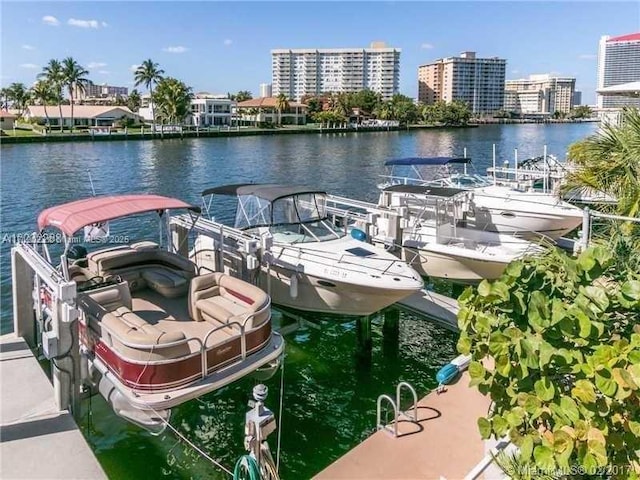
[608,162]
[4,98]
[19,95]
[74,79]
[282,103]
[54,75]
[134,101]
[43,94]
[173,99]
[148,74]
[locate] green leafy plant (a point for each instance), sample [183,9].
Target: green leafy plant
[555,343]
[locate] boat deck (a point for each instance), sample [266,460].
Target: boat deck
[36,439]
[445,444]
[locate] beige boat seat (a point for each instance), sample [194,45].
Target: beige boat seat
[222,299]
[166,282]
[128,333]
[143,265]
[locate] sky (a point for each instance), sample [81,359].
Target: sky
[222,47]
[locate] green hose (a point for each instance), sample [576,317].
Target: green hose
[250,465]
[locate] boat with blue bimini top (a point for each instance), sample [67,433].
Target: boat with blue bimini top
[494,208]
[307,262]
[153,330]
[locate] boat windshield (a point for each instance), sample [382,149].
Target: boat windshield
[254,211]
[297,218]
[469,181]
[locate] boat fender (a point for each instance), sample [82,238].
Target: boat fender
[358,234]
[451,370]
[293,286]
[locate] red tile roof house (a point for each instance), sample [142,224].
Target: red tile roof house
[7,120]
[83,115]
[262,110]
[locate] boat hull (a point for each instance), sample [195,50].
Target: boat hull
[524,214]
[455,268]
[314,294]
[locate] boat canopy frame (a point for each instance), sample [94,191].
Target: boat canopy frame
[69,218]
[270,205]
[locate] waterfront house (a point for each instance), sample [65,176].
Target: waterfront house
[210,110]
[83,115]
[7,120]
[263,110]
[207,110]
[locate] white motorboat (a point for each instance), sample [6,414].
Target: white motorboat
[309,264]
[153,331]
[494,208]
[546,174]
[438,242]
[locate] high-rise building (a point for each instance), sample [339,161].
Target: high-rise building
[266,90]
[540,94]
[618,63]
[577,98]
[477,81]
[302,72]
[92,90]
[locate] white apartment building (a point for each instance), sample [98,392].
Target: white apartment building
[299,72]
[618,63]
[477,81]
[540,94]
[266,90]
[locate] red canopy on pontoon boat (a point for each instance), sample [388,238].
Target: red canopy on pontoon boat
[71,217]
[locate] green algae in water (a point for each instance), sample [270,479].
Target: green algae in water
[329,404]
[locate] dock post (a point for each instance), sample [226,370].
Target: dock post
[391,332]
[391,325]
[363,339]
[179,240]
[23,322]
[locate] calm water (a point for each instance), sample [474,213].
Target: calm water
[330,392]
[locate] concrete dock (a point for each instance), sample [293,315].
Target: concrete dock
[444,444]
[437,307]
[36,439]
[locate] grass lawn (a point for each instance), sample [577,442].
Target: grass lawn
[21,133]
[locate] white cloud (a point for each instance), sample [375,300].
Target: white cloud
[427,46]
[177,49]
[28,47]
[104,72]
[94,65]
[75,22]
[133,68]
[227,41]
[104,24]
[50,20]
[587,56]
[31,66]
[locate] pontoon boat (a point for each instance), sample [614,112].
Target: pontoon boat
[155,331]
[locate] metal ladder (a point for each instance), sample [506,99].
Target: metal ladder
[397,414]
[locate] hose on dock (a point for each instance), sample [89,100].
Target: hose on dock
[250,466]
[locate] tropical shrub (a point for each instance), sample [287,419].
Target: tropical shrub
[555,343]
